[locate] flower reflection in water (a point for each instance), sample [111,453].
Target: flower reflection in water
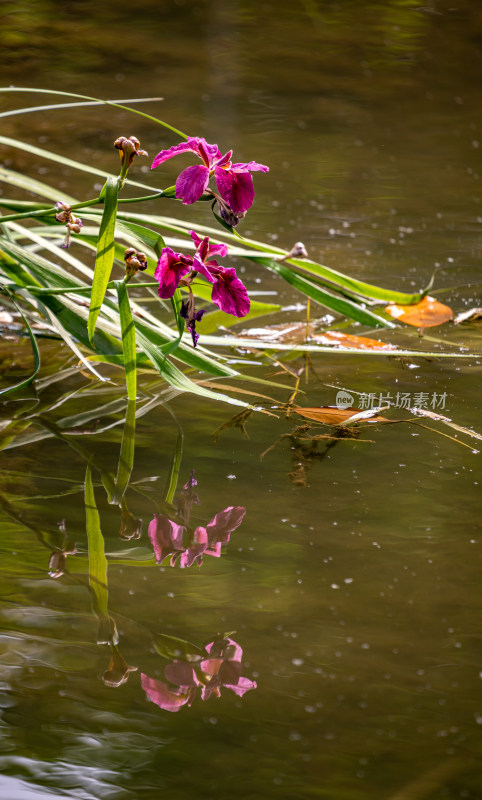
[181,543]
[221,667]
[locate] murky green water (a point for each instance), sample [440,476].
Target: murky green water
[352,584]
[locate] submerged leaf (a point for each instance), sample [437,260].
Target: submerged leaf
[331,415]
[426,314]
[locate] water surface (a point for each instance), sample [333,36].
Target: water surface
[353,583]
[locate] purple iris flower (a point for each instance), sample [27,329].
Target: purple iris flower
[171,267]
[229,293]
[234,181]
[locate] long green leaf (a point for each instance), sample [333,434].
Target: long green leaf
[147,236]
[126,457]
[325,298]
[174,376]
[39,152]
[80,104]
[332,276]
[69,341]
[36,354]
[32,185]
[105,254]
[256,344]
[128,340]
[30,90]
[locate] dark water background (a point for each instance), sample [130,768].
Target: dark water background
[354,589]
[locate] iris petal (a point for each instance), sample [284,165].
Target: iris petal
[177,149]
[230,294]
[236,189]
[191,183]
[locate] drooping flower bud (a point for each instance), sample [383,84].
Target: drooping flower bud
[65,216]
[134,262]
[128,150]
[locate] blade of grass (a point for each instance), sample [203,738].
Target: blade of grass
[128,340]
[31,90]
[174,376]
[32,185]
[36,353]
[105,254]
[328,299]
[254,344]
[331,275]
[81,104]
[68,162]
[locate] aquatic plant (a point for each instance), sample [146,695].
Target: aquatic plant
[94,311]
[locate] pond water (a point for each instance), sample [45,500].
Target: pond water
[350,575]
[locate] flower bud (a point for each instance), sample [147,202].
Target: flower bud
[128,150]
[134,261]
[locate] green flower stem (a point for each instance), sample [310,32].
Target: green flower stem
[50,210]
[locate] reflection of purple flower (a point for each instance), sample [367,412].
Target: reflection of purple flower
[166,698]
[222,668]
[169,538]
[234,181]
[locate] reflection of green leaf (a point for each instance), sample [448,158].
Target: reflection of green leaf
[105,253]
[97,565]
[171,647]
[126,458]
[175,467]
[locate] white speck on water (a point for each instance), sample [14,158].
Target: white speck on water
[231,477]
[297,662]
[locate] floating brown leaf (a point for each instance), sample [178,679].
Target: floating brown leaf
[331,415]
[348,340]
[426,314]
[295,333]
